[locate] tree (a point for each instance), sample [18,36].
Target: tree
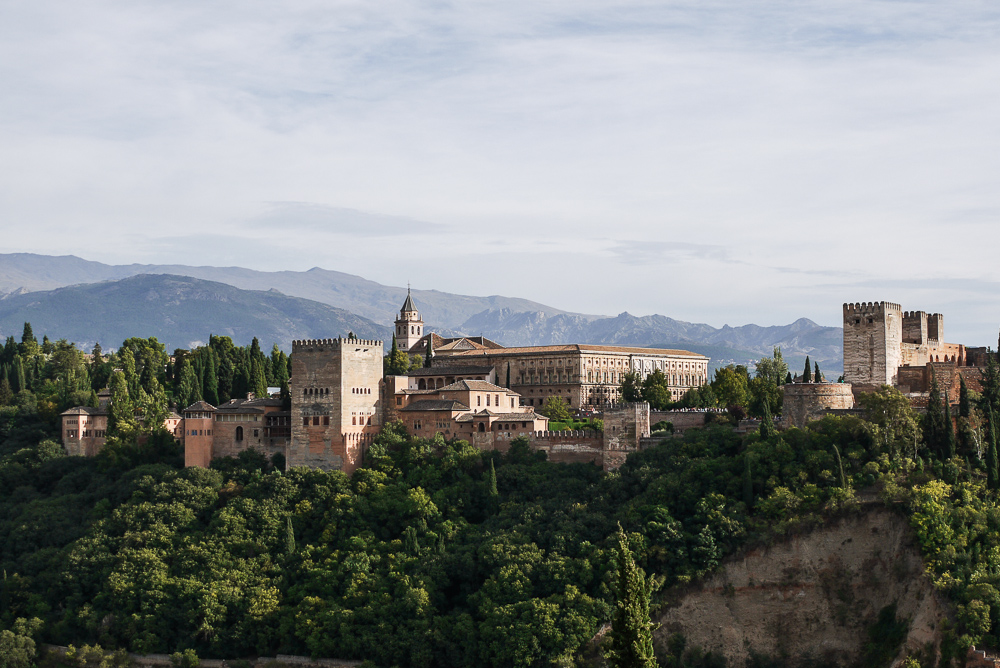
[767,428]
[491,481]
[225,376]
[890,420]
[121,410]
[963,398]
[508,376]
[807,372]
[6,394]
[788,378]
[397,362]
[430,350]
[817,376]
[934,427]
[29,344]
[949,432]
[289,536]
[631,629]
[17,647]
[210,388]
[656,391]
[555,409]
[992,478]
[732,386]
[258,378]
[631,387]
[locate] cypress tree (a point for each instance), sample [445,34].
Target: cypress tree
[491,481]
[747,482]
[991,451]
[767,428]
[508,376]
[788,378]
[121,410]
[6,394]
[210,388]
[29,343]
[817,377]
[258,381]
[18,381]
[807,372]
[949,431]
[9,350]
[631,630]
[225,376]
[289,536]
[840,467]
[934,420]
[963,398]
[430,350]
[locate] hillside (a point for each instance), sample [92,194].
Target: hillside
[180,311]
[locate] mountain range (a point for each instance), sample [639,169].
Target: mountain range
[87,301]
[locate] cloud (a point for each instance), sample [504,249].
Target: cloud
[655,252]
[305,218]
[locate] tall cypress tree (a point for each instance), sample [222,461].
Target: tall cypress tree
[934,420]
[225,375]
[18,380]
[964,408]
[840,467]
[992,482]
[121,409]
[210,388]
[631,629]
[258,380]
[817,376]
[767,428]
[747,482]
[807,372]
[949,431]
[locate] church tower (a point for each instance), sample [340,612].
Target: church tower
[409,326]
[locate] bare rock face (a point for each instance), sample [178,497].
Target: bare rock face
[811,596]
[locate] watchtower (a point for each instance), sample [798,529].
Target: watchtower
[873,338]
[335,402]
[409,326]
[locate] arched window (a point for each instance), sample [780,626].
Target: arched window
[239,433]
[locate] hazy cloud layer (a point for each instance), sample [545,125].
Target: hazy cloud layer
[724,162]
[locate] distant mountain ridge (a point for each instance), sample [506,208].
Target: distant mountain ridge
[511,321]
[180,311]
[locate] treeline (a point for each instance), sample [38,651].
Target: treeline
[433,554]
[51,376]
[732,388]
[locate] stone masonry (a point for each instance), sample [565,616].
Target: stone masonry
[336,411]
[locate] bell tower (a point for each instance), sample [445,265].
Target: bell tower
[409,326]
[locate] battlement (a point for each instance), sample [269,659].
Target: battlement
[333,343]
[871,307]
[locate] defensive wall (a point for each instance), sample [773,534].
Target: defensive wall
[804,402]
[873,338]
[682,420]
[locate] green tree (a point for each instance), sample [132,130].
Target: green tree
[259,379]
[949,432]
[631,633]
[890,420]
[397,362]
[807,372]
[29,344]
[817,376]
[555,408]
[225,375]
[992,474]
[210,389]
[964,407]
[656,390]
[631,387]
[121,410]
[430,351]
[6,393]
[17,647]
[491,481]
[934,428]
[732,386]
[767,428]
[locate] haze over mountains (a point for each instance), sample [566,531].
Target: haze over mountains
[107,303]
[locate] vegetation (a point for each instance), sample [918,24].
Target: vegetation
[436,553]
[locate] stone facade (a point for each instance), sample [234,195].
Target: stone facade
[84,429]
[584,376]
[336,407]
[804,402]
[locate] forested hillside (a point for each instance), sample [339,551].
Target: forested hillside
[438,554]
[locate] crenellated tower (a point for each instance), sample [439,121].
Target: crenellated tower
[873,337]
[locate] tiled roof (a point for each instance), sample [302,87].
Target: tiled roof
[474,385]
[435,405]
[451,371]
[408,304]
[460,344]
[200,406]
[85,410]
[581,348]
[248,405]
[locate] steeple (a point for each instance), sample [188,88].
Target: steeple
[409,326]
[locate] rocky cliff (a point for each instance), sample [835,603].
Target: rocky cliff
[811,596]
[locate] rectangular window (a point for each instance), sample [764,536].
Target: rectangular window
[315,420]
[399,401]
[305,422]
[326,420]
[255,433]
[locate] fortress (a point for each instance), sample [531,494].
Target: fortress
[885,345]
[340,401]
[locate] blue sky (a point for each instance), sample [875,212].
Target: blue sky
[720,162]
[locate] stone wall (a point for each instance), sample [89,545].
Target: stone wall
[873,336]
[804,402]
[336,407]
[624,425]
[682,420]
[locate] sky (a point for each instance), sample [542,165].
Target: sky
[727,162]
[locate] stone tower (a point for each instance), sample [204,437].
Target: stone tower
[336,410]
[409,326]
[873,342]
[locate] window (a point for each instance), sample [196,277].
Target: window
[315,420]
[305,421]
[399,401]
[255,433]
[239,434]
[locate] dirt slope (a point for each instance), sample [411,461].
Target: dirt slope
[813,595]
